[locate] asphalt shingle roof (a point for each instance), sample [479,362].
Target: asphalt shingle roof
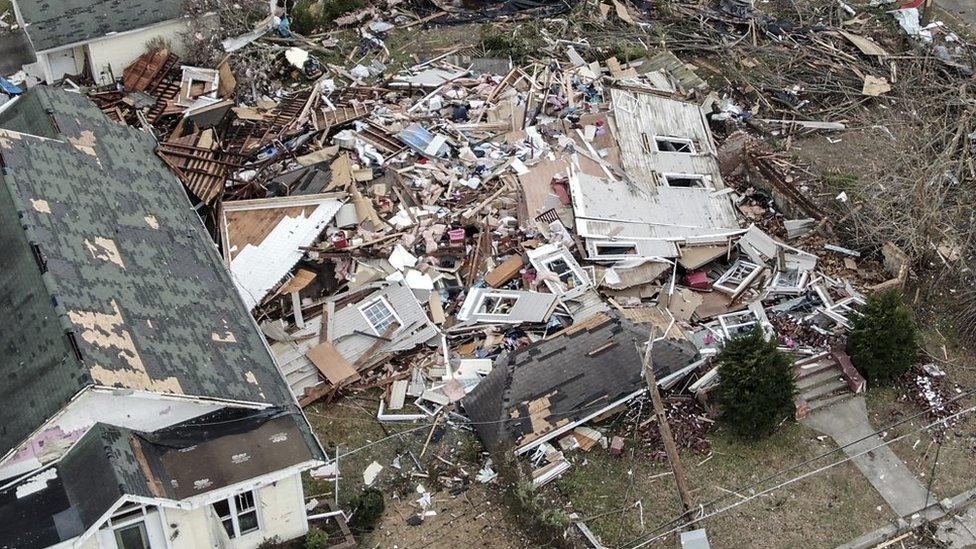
[198,456]
[55,23]
[565,378]
[133,293]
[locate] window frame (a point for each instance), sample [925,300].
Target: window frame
[597,254]
[235,514]
[704,179]
[684,140]
[485,296]
[379,299]
[127,516]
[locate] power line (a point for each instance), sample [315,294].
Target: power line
[813,459]
[797,479]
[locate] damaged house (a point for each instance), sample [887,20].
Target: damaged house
[140,405]
[100,37]
[547,389]
[356,330]
[674,193]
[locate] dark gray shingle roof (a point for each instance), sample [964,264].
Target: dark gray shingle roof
[564,379]
[130,273]
[109,462]
[54,23]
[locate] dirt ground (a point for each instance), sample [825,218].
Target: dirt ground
[474,518]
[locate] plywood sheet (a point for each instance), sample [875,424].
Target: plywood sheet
[333,366]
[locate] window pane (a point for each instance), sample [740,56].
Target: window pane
[132,537]
[245,501]
[229,527]
[380,316]
[222,507]
[248,521]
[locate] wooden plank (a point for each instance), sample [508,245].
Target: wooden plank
[330,363]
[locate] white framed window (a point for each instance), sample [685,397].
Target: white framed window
[685,180]
[564,272]
[379,314]
[674,144]
[238,514]
[496,305]
[128,525]
[739,277]
[614,250]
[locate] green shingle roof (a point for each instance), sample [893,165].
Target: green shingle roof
[54,23]
[109,278]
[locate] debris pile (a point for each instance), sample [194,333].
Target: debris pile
[926,386]
[688,420]
[464,234]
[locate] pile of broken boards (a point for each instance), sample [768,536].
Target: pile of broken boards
[488,245]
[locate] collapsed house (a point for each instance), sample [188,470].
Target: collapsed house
[95,37]
[141,404]
[544,390]
[547,389]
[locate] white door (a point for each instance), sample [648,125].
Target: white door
[62,62]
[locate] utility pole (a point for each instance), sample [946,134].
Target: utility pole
[662,423]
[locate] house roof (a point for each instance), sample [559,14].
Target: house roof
[195,457]
[51,24]
[559,381]
[109,278]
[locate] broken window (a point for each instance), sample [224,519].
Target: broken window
[380,315]
[674,144]
[238,514]
[737,323]
[792,281]
[493,304]
[615,249]
[684,180]
[737,278]
[564,272]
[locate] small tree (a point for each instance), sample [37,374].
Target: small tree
[756,387]
[883,343]
[368,507]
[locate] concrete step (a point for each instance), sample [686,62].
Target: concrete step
[814,369]
[823,402]
[821,376]
[824,389]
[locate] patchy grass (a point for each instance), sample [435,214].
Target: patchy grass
[351,424]
[604,489]
[886,405]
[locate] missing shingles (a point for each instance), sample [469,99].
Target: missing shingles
[105,249]
[7,138]
[40,205]
[108,331]
[226,337]
[85,142]
[253,380]
[601,348]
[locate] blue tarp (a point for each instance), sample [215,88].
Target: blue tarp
[7,87]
